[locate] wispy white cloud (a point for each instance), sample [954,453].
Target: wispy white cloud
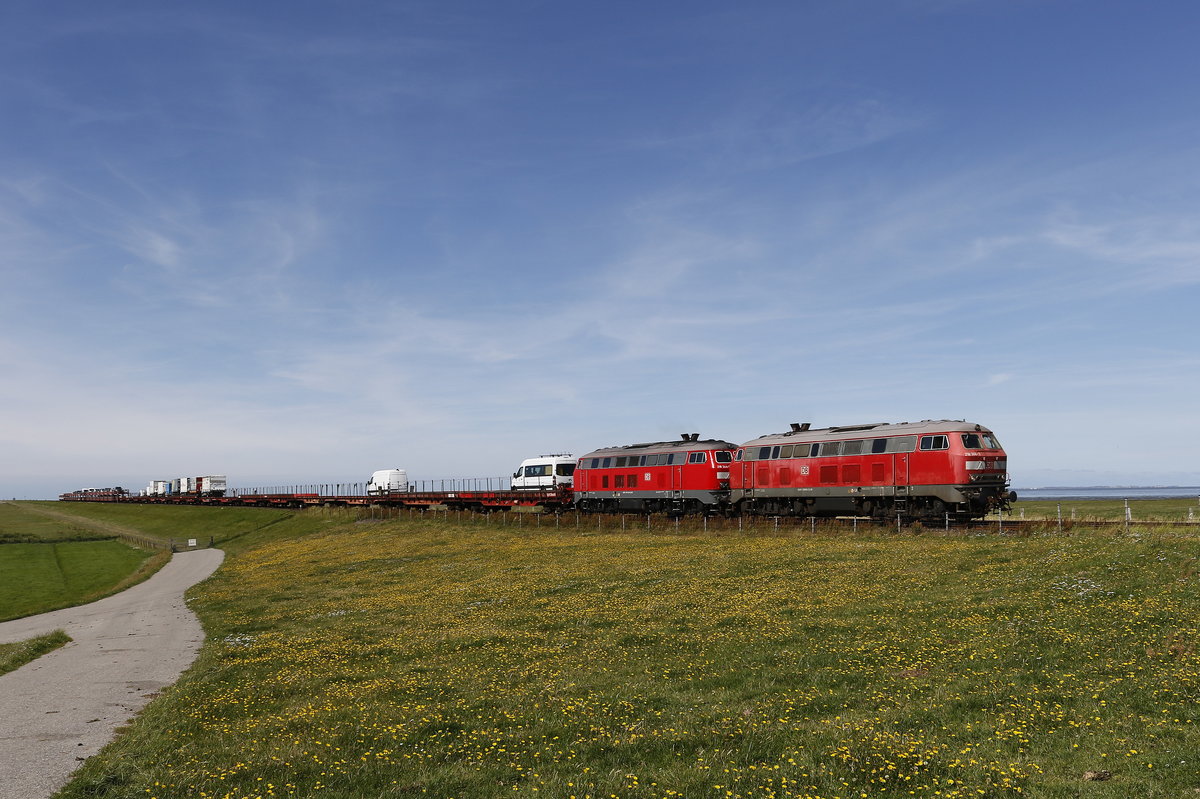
[1152,253]
[769,130]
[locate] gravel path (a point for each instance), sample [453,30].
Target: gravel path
[63,707]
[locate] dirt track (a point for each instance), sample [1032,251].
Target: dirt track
[64,707]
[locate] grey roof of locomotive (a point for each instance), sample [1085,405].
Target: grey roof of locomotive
[874,430]
[665,446]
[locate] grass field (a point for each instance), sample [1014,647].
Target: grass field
[424,657]
[68,553]
[35,578]
[15,655]
[19,524]
[232,529]
[1141,510]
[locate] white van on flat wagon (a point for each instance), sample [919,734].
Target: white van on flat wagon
[545,471]
[386,481]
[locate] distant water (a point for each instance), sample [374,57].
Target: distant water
[1109,492]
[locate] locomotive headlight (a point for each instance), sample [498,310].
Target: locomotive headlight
[974,466]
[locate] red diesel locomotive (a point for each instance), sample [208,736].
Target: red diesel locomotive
[922,470]
[685,476]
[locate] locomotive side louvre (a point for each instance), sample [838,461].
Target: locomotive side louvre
[684,476]
[916,470]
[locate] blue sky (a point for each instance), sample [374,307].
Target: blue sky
[300,241]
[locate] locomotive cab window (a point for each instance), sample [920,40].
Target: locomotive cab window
[723,456]
[934,442]
[697,457]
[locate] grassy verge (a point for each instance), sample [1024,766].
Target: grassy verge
[1182,509]
[19,524]
[466,660]
[35,578]
[14,656]
[229,528]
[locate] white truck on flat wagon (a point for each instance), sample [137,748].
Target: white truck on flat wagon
[387,481]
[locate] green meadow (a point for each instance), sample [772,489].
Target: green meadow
[486,657]
[1144,511]
[51,562]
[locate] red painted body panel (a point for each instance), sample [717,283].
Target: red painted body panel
[657,469]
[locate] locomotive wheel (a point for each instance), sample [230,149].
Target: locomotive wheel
[934,508]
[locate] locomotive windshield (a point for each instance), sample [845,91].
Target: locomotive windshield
[979,441]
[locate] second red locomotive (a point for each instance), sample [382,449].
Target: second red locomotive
[921,470]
